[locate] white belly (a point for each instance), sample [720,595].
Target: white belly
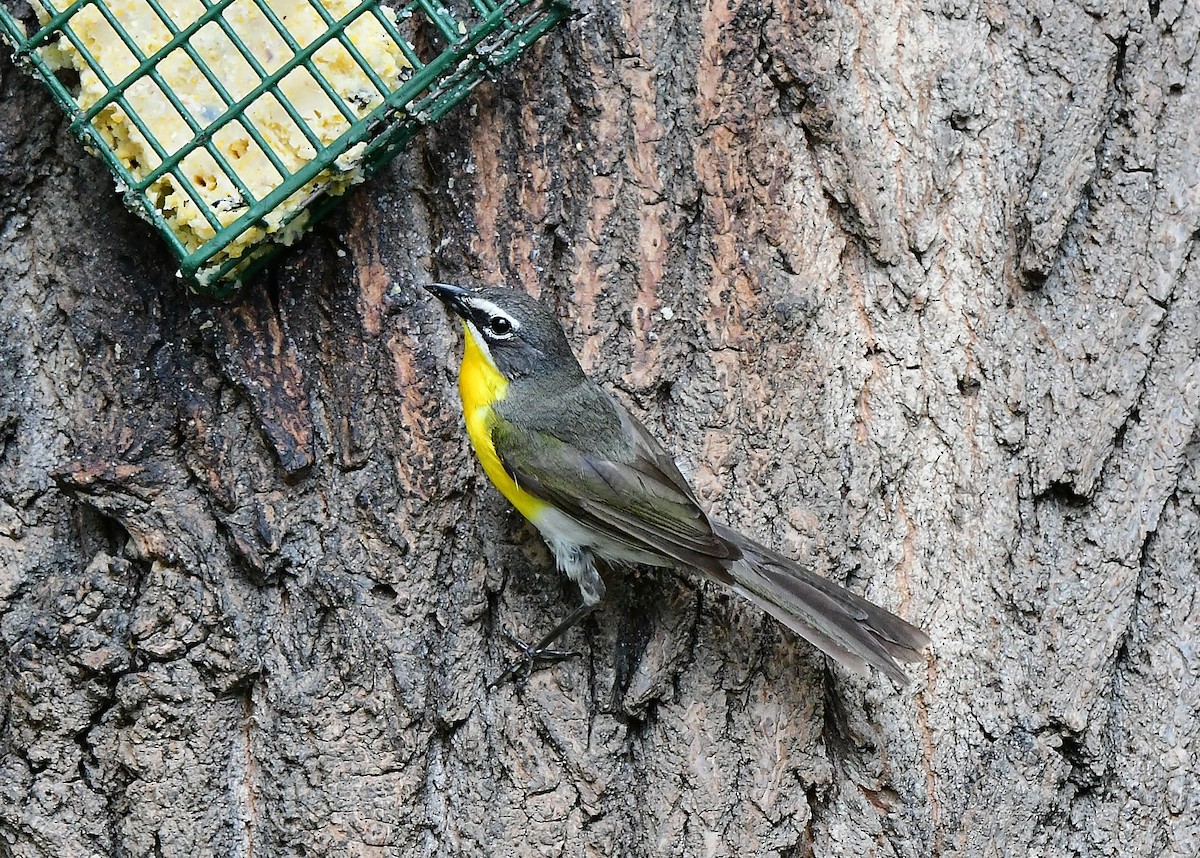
[570,541]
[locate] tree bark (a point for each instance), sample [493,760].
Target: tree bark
[912,292]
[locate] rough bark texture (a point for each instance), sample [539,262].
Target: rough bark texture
[912,290]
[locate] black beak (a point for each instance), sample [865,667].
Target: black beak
[452,296]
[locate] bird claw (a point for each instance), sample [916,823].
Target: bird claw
[523,667]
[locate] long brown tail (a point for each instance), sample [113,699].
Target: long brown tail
[844,626]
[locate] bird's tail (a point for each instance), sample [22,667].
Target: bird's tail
[844,626]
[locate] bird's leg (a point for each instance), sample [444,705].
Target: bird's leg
[540,651]
[582,570]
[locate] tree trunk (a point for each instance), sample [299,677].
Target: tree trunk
[912,292]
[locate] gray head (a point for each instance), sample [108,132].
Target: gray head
[519,334]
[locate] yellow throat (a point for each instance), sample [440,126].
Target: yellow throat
[481,385]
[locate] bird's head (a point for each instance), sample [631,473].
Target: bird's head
[518,335]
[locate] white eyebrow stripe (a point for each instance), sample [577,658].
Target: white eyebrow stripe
[492,310]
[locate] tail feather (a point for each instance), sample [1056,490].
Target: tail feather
[844,626]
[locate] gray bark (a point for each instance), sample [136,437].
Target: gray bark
[913,292]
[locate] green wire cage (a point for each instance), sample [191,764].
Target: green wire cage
[233,125]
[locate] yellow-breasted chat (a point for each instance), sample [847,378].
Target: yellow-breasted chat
[596,484]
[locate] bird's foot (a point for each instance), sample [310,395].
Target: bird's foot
[531,654]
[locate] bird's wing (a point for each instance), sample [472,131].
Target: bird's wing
[638,499]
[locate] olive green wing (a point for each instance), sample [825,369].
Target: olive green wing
[640,501]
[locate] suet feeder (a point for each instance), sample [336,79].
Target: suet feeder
[233,125]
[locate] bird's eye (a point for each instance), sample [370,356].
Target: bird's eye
[500,326]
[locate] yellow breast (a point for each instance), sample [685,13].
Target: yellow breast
[480,385]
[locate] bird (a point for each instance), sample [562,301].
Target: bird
[598,486]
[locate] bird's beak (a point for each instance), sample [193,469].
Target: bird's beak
[452,296]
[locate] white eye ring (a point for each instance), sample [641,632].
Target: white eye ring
[491,320]
[500,326]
